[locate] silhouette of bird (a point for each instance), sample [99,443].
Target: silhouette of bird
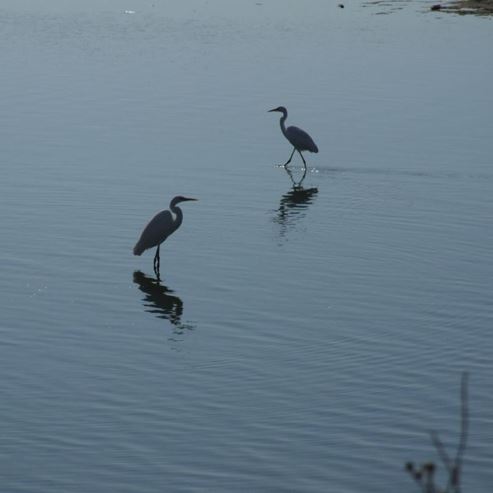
[298,138]
[160,300]
[159,228]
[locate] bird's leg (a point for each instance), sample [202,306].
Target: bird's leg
[156,261]
[290,157]
[304,162]
[290,174]
[299,184]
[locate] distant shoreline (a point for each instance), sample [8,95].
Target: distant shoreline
[480,7]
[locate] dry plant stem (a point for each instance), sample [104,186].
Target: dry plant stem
[464,429]
[447,462]
[454,467]
[424,475]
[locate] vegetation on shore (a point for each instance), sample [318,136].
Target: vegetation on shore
[478,7]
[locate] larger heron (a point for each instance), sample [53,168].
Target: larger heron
[298,138]
[159,228]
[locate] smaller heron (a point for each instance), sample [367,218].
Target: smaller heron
[298,138]
[159,228]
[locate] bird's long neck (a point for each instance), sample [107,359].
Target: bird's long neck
[178,216]
[282,121]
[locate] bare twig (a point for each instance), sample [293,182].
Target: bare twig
[464,428]
[454,467]
[447,461]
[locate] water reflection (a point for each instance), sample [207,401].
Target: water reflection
[294,203]
[296,184]
[160,301]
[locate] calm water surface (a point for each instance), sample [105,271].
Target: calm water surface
[301,339]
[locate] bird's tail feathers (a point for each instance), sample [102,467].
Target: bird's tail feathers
[315,148]
[138,250]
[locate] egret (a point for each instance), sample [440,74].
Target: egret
[298,138]
[159,228]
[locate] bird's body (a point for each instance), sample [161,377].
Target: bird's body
[162,225]
[298,138]
[157,230]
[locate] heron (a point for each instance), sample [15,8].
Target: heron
[298,138]
[162,225]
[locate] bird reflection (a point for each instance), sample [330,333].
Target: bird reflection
[294,203]
[160,301]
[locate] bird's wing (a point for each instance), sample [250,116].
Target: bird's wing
[300,139]
[156,231]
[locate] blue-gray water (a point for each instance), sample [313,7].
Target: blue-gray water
[300,340]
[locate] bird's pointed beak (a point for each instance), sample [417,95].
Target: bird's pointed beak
[270,111]
[189,198]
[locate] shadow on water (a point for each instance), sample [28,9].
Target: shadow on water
[294,203]
[160,301]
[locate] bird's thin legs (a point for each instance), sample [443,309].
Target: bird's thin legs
[304,162]
[157,262]
[297,185]
[290,157]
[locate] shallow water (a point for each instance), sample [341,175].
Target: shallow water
[300,339]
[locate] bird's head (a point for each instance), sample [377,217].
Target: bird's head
[181,198]
[280,109]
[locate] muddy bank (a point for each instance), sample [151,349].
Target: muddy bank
[478,7]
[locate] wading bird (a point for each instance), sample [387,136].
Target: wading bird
[298,138]
[159,228]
